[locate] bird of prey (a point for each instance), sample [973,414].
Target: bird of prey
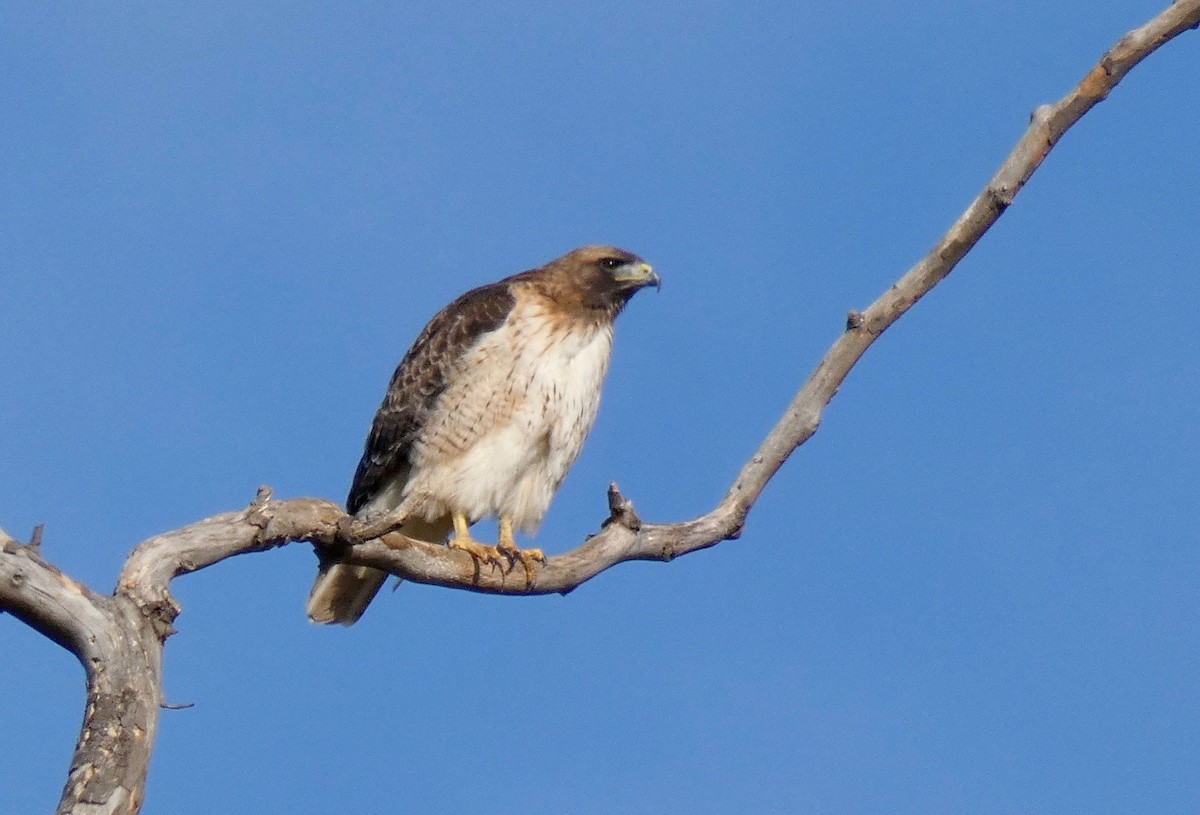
[486,413]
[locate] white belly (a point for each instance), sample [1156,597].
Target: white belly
[513,422]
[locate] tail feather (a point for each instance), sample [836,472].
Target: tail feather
[342,592]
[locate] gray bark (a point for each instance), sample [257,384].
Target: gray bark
[119,638]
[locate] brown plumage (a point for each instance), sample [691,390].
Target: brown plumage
[486,412]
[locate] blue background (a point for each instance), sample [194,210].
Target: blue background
[975,590]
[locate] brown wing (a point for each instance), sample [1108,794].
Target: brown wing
[420,379]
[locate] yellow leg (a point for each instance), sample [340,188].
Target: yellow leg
[506,535]
[462,529]
[481,552]
[505,553]
[508,547]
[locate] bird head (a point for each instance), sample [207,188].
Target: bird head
[604,277]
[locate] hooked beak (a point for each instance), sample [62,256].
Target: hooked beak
[639,276]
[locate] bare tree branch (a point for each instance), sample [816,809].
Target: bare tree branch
[122,656]
[620,540]
[119,639]
[49,601]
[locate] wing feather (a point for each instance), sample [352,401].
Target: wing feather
[420,379]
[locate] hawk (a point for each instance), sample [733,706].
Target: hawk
[486,413]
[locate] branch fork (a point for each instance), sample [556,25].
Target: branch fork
[119,638]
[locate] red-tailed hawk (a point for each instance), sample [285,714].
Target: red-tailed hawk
[486,413]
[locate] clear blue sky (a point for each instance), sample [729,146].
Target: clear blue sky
[975,590]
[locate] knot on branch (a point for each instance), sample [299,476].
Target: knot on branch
[277,523]
[10,545]
[262,497]
[258,514]
[1041,115]
[620,510]
[1000,196]
[350,531]
[161,613]
[865,321]
[347,533]
[356,530]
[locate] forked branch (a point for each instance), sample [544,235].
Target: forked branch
[119,638]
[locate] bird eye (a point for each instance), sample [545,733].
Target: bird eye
[611,263]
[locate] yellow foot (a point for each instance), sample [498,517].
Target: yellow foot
[505,553]
[526,557]
[513,553]
[480,552]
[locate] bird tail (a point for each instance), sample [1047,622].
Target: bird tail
[342,592]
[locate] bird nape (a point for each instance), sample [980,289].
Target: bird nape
[485,414]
